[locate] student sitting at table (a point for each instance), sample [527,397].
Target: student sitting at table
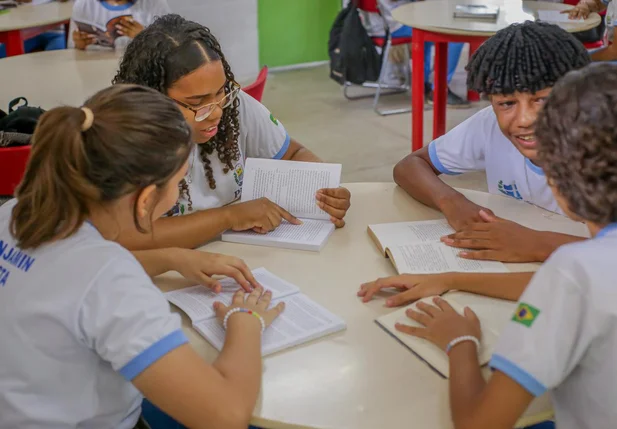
[516,69]
[563,336]
[86,333]
[111,23]
[183,60]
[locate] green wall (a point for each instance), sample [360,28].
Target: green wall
[294,31]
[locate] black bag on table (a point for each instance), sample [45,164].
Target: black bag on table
[17,127]
[353,56]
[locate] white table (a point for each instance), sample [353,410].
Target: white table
[53,78]
[361,378]
[433,21]
[27,21]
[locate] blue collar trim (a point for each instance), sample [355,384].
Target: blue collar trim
[118,6]
[533,167]
[607,229]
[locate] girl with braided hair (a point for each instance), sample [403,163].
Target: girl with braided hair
[516,69]
[183,60]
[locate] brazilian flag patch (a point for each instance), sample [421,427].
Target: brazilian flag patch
[273,119]
[525,314]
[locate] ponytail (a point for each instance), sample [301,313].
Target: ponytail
[126,138]
[53,197]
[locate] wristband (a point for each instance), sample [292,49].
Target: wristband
[244,310]
[462,339]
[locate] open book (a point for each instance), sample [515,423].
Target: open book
[556,16]
[415,248]
[104,36]
[303,319]
[292,185]
[493,314]
[476,11]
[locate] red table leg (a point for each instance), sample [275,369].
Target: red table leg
[473,95]
[14,43]
[417,90]
[440,92]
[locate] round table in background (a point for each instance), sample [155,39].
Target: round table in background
[27,21]
[361,378]
[433,21]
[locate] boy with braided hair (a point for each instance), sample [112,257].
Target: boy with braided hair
[516,69]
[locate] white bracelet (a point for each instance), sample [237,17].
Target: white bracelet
[462,339]
[244,310]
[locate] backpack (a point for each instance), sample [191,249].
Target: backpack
[353,56]
[21,119]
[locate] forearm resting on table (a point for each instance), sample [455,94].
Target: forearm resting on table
[420,180]
[156,261]
[188,231]
[549,241]
[508,286]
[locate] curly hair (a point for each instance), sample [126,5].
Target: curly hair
[577,136]
[526,57]
[169,49]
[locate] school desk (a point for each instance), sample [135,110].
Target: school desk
[360,378]
[433,21]
[27,21]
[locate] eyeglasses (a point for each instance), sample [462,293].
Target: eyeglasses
[202,112]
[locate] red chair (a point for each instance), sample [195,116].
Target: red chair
[386,43]
[256,89]
[13,161]
[592,45]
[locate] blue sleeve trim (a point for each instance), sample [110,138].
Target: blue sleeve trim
[432,153]
[153,353]
[522,377]
[281,153]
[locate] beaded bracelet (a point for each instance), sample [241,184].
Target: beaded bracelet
[244,310]
[462,339]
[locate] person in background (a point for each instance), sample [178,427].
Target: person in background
[111,23]
[90,335]
[454,52]
[563,336]
[183,60]
[582,10]
[48,41]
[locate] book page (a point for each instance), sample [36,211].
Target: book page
[290,184]
[556,16]
[303,320]
[493,314]
[392,234]
[311,235]
[436,257]
[197,301]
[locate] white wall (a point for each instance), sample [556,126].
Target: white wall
[234,23]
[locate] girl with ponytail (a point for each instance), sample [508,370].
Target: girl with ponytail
[183,60]
[89,333]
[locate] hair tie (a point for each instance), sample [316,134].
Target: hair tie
[87,123]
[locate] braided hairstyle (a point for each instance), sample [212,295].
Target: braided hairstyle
[526,57]
[169,49]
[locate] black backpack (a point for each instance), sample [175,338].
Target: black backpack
[353,57]
[20,119]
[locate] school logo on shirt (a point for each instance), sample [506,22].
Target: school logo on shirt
[525,314]
[510,190]
[239,174]
[176,210]
[273,119]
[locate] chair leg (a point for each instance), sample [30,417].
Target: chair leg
[380,85]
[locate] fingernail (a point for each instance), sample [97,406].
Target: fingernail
[389,303]
[321,205]
[448,240]
[463,254]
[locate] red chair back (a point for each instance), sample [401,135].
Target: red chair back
[13,161]
[369,6]
[256,89]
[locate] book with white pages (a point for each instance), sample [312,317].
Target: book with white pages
[302,320]
[415,248]
[293,186]
[493,314]
[476,11]
[556,16]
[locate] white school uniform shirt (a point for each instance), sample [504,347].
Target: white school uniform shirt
[261,136]
[478,144]
[79,319]
[101,13]
[563,336]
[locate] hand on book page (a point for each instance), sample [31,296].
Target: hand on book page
[497,239]
[335,202]
[460,212]
[260,215]
[441,323]
[257,301]
[411,287]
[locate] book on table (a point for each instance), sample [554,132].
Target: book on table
[103,35]
[415,248]
[493,314]
[293,186]
[476,11]
[302,320]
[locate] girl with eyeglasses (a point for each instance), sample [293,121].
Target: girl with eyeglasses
[183,60]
